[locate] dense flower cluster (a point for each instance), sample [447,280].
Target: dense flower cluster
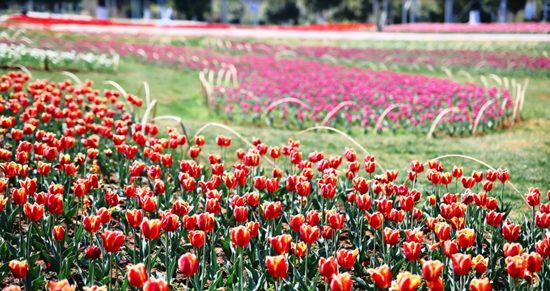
[327,94]
[90,193]
[506,61]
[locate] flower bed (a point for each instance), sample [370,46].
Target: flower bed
[19,54]
[499,62]
[465,27]
[92,199]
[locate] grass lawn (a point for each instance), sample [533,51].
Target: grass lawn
[524,150]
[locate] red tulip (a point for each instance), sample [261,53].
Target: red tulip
[151,228]
[58,232]
[33,211]
[19,268]
[327,267]
[450,247]
[296,222]
[156,285]
[134,218]
[240,236]
[170,222]
[335,220]
[381,276]
[391,236]
[340,282]
[281,243]
[494,218]
[271,210]
[112,240]
[482,284]
[515,266]
[313,218]
[93,252]
[462,264]
[206,222]
[375,220]
[443,231]
[137,275]
[277,266]
[466,238]
[188,264]
[480,264]
[512,249]
[309,234]
[407,281]
[411,251]
[61,286]
[253,228]
[196,238]
[346,258]
[298,249]
[510,231]
[431,270]
[533,262]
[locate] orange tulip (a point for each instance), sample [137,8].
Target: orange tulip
[61,286]
[515,266]
[151,228]
[346,258]
[137,275]
[480,264]
[277,266]
[431,269]
[466,238]
[34,211]
[462,264]
[510,231]
[240,236]
[436,285]
[482,284]
[340,282]
[19,268]
[407,281]
[188,264]
[281,243]
[299,249]
[327,267]
[156,285]
[196,238]
[411,251]
[112,240]
[381,276]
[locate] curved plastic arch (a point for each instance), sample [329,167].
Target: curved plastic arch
[439,117]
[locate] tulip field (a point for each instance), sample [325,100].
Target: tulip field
[215,174]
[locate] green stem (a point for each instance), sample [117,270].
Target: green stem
[305,261]
[148,257]
[110,271]
[29,236]
[91,274]
[168,253]
[241,269]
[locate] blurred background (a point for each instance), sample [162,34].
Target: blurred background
[294,12]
